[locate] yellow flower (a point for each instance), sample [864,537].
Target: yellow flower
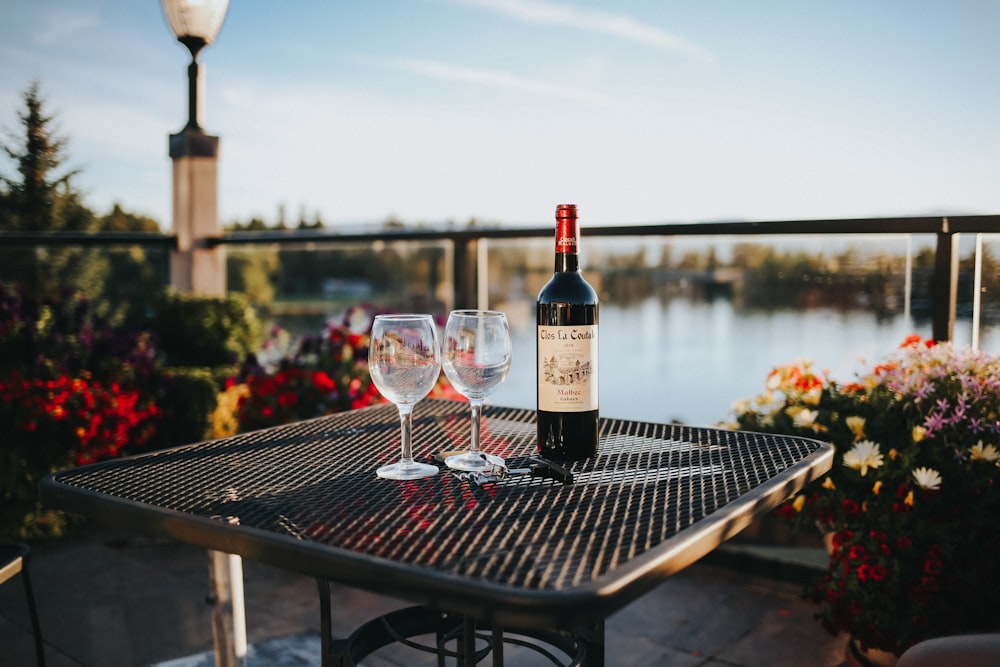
[862,456]
[908,501]
[829,485]
[799,503]
[927,478]
[988,453]
[877,487]
[857,426]
[918,433]
[225,420]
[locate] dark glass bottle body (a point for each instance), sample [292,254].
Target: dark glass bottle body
[567,311]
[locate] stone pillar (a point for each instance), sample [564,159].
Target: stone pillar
[196,266]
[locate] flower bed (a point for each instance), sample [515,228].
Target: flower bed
[74,389]
[912,499]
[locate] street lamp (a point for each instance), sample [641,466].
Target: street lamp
[199,267]
[196,265]
[195,24]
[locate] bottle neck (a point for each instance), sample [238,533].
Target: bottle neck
[567,262]
[567,239]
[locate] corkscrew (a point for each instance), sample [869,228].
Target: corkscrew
[498,471]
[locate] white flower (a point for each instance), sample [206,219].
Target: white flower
[927,478]
[862,456]
[988,453]
[813,396]
[741,406]
[805,418]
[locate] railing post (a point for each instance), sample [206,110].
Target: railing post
[944,289]
[465,273]
[195,266]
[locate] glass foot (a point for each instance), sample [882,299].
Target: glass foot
[404,470]
[470,462]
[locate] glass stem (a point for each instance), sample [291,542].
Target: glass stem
[406,433]
[475,405]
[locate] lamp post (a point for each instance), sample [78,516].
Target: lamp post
[199,268]
[195,266]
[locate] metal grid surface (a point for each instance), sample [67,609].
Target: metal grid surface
[314,481]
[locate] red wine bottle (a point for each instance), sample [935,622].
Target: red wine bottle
[567,352]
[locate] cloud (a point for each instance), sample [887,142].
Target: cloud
[617,25]
[497,78]
[60,24]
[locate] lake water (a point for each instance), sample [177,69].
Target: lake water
[690,360]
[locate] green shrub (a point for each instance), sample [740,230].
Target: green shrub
[189,398]
[205,331]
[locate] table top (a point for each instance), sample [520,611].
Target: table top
[524,550]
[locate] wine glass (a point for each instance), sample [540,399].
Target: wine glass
[405,362]
[476,359]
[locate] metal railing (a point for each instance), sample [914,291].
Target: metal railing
[466,258]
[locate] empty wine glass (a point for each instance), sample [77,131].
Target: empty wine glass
[404,362]
[476,359]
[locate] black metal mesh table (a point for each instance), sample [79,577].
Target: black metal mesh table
[524,551]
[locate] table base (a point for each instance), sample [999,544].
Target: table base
[467,641]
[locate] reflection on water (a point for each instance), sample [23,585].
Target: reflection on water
[689,360]
[678,359]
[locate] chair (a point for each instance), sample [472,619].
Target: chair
[14,559]
[966,650]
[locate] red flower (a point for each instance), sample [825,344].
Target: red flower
[323,382]
[842,536]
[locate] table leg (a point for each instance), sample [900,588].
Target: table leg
[593,637]
[467,647]
[325,624]
[497,639]
[229,626]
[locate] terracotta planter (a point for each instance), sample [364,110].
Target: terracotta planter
[855,657]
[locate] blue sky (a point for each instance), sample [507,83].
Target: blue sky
[640,111]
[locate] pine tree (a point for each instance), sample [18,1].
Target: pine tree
[41,198]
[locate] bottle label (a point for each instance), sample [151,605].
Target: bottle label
[567,368]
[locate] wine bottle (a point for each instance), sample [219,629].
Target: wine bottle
[567,352]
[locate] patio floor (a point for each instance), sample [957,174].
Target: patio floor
[107,599]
